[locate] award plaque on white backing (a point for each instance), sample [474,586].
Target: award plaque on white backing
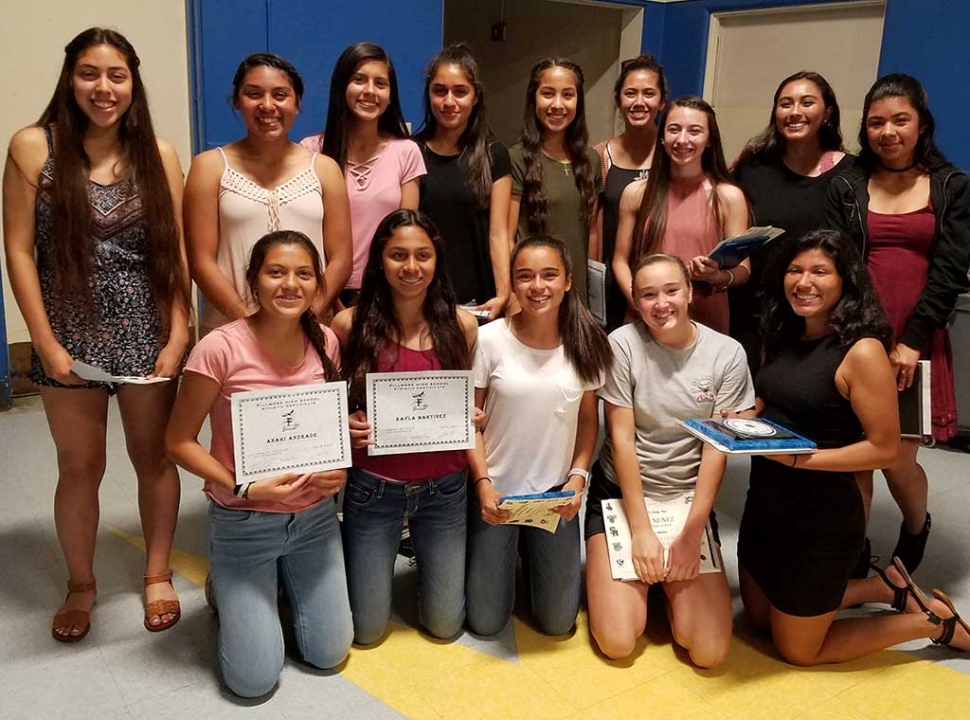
[420,412]
[301,429]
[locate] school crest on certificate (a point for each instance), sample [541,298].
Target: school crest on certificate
[420,412]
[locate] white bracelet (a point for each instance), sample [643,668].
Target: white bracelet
[242,491]
[584,474]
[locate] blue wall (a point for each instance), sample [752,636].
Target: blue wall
[310,34]
[925,38]
[928,39]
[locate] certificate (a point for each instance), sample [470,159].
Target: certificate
[535,510]
[667,519]
[420,412]
[90,372]
[301,429]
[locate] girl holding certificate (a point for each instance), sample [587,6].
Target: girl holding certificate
[908,210]
[536,376]
[405,321]
[468,187]
[665,369]
[262,182]
[827,376]
[91,220]
[686,208]
[282,530]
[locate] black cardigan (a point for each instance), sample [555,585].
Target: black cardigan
[949,255]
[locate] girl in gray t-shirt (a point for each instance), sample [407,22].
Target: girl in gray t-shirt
[665,368]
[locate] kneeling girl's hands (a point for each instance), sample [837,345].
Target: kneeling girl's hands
[328,482]
[648,556]
[569,510]
[279,488]
[488,498]
[684,556]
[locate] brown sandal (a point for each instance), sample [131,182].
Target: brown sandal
[73,618]
[161,607]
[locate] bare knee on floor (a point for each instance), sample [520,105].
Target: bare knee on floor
[615,640]
[707,646]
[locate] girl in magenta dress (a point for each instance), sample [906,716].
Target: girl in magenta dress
[908,209]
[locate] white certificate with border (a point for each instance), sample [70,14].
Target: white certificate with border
[300,429]
[420,412]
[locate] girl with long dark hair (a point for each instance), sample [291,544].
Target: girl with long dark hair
[828,377]
[908,211]
[262,182]
[785,171]
[536,375]
[640,94]
[468,187]
[283,530]
[665,369]
[92,231]
[366,136]
[556,176]
[689,204]
[406,320]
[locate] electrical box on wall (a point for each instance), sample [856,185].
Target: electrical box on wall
[498,32]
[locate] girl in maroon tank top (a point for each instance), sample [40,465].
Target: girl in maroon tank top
[406,320]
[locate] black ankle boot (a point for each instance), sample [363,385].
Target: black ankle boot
[910,548]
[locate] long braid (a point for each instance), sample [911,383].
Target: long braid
[314,332]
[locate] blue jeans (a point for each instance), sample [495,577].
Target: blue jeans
[551,562]
[374,513]
[249,553]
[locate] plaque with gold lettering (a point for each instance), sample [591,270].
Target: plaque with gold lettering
[300,429]
[420,412]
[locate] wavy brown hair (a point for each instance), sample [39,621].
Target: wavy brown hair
[651,222]
[308,320]
[376,331]
[72,252]
[576,142]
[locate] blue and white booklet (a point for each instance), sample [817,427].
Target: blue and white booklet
[535,510]
[730,252]
[749,436]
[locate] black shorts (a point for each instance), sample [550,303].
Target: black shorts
[602,488]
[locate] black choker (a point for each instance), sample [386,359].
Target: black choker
[899,170]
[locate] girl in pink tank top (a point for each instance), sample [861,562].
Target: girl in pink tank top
[405,321]
[688,205]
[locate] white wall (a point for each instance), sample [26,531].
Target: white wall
[33,50]
[596,37]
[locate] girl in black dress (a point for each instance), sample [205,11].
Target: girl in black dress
[826,376]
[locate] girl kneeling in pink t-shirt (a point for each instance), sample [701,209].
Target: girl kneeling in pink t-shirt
[284,528]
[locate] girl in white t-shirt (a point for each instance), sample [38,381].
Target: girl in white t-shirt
[665,368]
[536,374]
[281,530]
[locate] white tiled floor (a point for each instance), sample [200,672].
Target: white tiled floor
[121,671]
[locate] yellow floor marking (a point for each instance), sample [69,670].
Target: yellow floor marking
[564,678]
